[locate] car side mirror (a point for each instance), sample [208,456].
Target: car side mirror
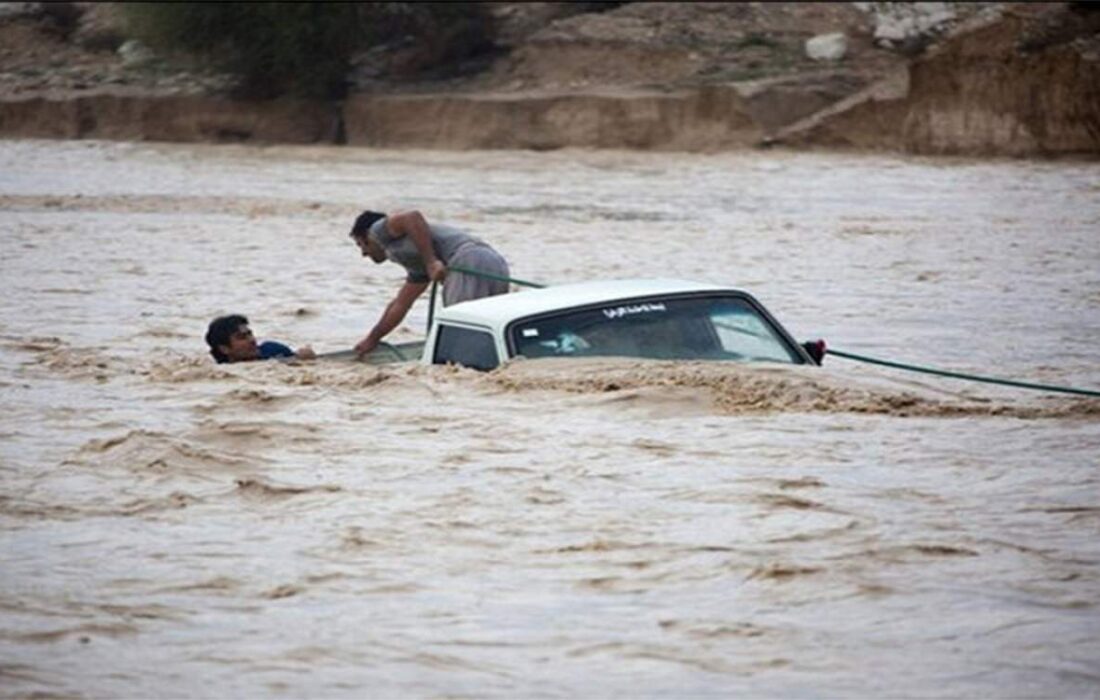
[815,349]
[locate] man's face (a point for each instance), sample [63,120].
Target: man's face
[242,345]
[370,249]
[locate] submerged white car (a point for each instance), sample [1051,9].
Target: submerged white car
[657,319]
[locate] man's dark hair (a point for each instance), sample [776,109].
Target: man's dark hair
[219,332]
[363,222]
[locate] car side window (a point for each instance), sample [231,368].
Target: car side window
[466,347]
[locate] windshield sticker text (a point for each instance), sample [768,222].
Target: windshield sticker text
[634,309]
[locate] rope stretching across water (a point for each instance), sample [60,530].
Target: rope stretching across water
[837,353]
[961,375]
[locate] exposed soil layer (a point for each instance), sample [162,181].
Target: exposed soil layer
[978,79]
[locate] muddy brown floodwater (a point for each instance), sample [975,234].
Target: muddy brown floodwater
[172,528]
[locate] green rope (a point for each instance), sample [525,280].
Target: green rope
[960,375]
[393,349]
[431,308]
[498,278]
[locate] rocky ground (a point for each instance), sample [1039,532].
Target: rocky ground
[84,47]
[81,48]
[786,62]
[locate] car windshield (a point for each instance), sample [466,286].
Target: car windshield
[695,328]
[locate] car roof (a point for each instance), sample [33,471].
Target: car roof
[497,311]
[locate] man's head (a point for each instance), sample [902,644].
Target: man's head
[359,233]
[231,340]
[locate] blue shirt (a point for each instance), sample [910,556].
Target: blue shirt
[270,349]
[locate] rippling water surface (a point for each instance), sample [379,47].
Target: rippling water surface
[169,527]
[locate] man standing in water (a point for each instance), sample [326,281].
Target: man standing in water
[425,251]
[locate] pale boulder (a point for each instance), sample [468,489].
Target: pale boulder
[135,54]
[827,47]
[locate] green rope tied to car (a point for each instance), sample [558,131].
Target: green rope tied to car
[498,278]
[961,375]
[837,353]
[475,273]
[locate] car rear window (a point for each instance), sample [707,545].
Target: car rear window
[694,328]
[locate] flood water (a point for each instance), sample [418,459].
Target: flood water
[612,528]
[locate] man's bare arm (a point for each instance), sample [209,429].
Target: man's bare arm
[392,317]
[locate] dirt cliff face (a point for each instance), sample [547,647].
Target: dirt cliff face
[690,120]
[1025,83]
[1018,86]
[178,118]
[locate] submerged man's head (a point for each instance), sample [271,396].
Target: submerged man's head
[231,340]
[360,231]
